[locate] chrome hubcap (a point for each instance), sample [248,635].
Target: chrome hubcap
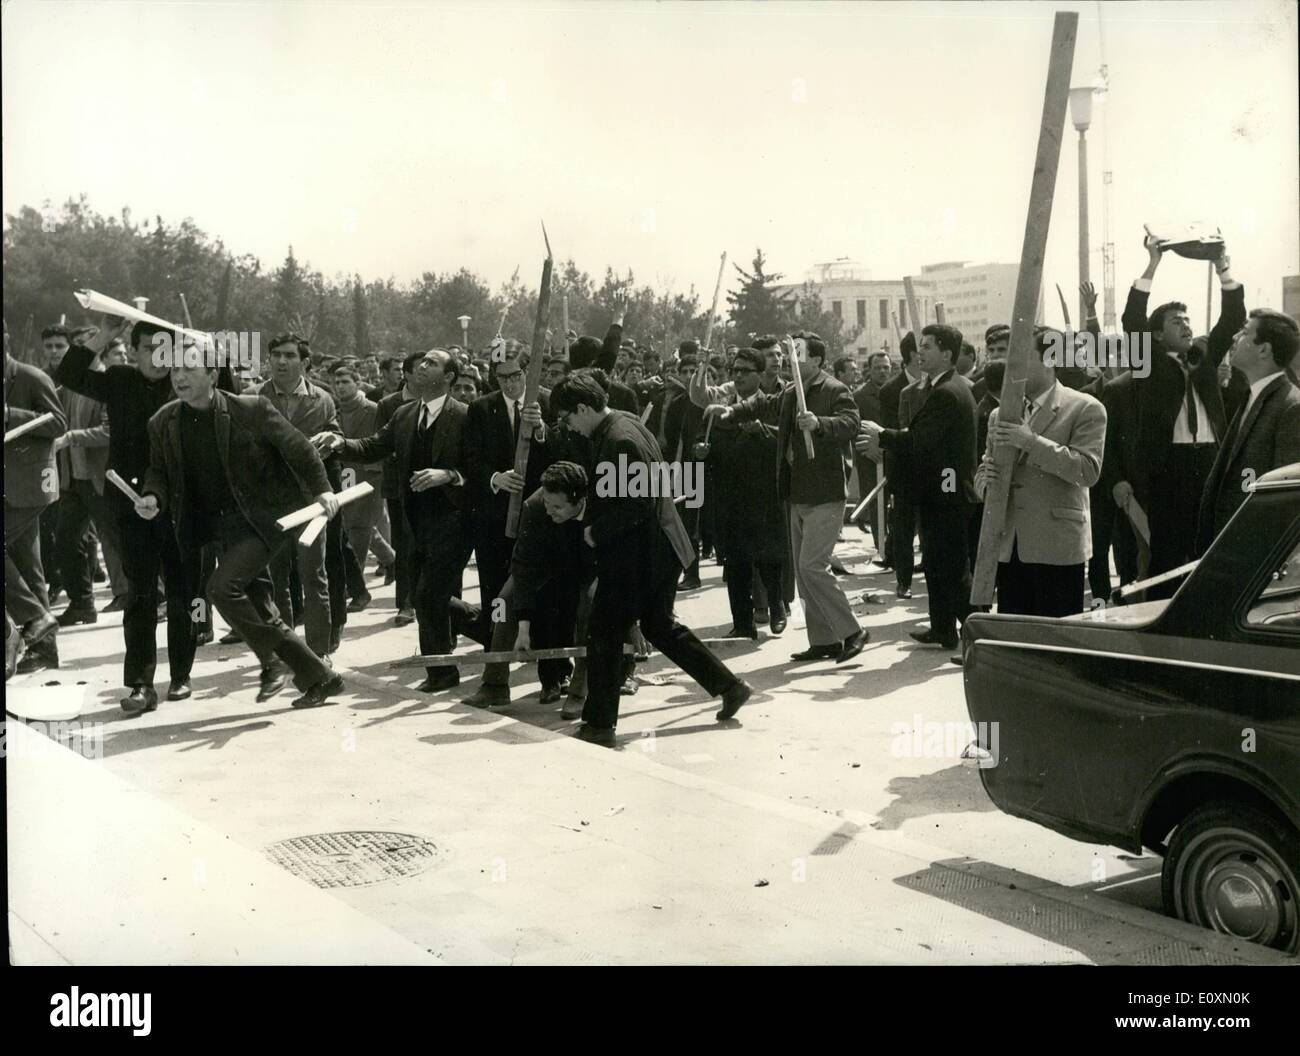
[1234,883]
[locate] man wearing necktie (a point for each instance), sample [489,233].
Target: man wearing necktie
[493,425]
[426,435]
[1265,432]
[1046,535]
[1178,414]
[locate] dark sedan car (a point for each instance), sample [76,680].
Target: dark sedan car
[1172,725]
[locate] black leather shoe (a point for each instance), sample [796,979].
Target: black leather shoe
[956,660]
[142,699]
[734,698]
[320,692]
[853,645]
[742,632]
[760,616]
[930,638]
[118,604]
[437,683]
[552,694]
[273,679]
[179,690]
[403,617]
[779,621]
[390,575]
[601,735]
[39,629]
[75,614]
[43,654]
[689,583]
[817,652]
[203,638]
[360,603]
[628,688]
[904,592]
[488,697]
[230,638]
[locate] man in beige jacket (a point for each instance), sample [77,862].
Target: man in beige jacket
[1046,539]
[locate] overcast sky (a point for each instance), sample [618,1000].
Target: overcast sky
[389,139]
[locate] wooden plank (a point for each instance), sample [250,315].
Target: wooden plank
[532,388]
[526,656]
[1028,287]
[913,310]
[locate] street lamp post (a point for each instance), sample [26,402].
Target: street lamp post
[1081,115]
[464,332]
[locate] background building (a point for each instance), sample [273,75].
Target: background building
[974,297]
[1291,296]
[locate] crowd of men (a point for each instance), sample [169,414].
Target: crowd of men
[1146,466]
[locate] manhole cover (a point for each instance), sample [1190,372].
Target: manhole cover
[353,859]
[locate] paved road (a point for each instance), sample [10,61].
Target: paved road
[832,823]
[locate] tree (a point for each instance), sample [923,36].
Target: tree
[756,308]
[360,325]
[811,316]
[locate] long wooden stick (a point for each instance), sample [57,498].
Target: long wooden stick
[27,427]
[1155,581]
[800,399]
[713,312]
[940,315]
[115,479]
[1028,288]
[185,309]
[1065,308]
[531,389]
[312,532]
[857,510]
[524,656]
[913,310]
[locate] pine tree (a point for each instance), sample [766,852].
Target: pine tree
[756,308]
[360,325]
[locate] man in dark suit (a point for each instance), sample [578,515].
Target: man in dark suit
[133,394]
[867,399]
[226,468]
[493,426]
[1179,416]
[640,549]
[939,447]
[401,531]
[813,489]
[603,355]
[902,515]
[426,435]
[1265,433]
[31,485]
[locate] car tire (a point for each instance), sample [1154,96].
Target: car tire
[1235,869]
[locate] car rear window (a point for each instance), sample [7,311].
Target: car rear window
[1278,604]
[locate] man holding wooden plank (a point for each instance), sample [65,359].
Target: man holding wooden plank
[815,418]
[225,468]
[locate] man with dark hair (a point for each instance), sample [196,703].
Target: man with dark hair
[867,398]
[676,422]
[31,485]
[640,548]
[750,528]
[554,371]
[845,370]
[997,343]
[966,361]
[813,491]
[1046,537]
[494,425]
[1265,432]
[902,515]
[399,571]
[550,572]
[938,447]
[133,394]
[1178,414]
[310,410]
[226,468]
[357,417]
[426,436]
[770,382]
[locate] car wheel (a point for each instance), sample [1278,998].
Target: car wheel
[1235,869]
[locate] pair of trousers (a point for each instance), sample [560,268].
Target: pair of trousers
[242,594]
[150,548]
[945,541]
[26,596]
[492,550]
[618,605]
[813,532]
[436,570]
[310,561]
[1037,589]
[80,505]
[898,547]
[1174,508]
[361,521]
[552,625]
[402,541]
[743,588]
